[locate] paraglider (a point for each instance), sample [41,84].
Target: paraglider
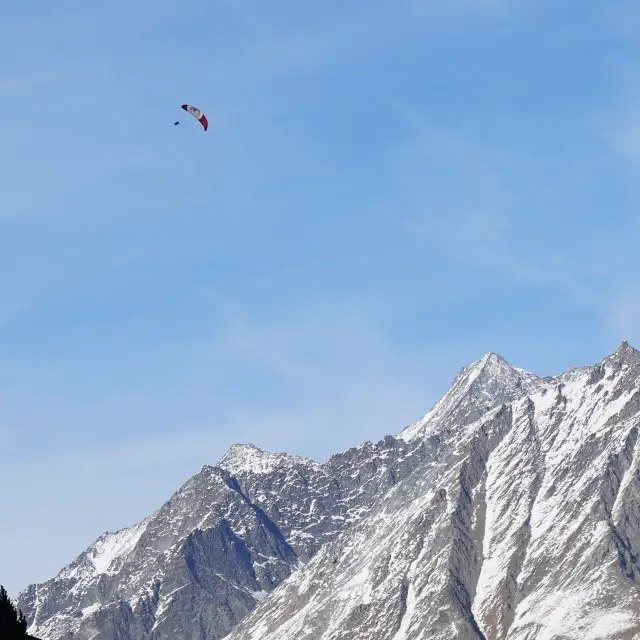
[197,114]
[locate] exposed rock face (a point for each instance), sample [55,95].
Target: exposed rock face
[233,532]
[525,525]
[510,511]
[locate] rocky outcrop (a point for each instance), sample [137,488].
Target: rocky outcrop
[510,511]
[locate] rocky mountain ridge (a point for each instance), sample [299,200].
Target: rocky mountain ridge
[525,525]
[220,544]
[510,510]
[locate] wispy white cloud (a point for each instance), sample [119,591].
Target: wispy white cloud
[621,130]
[473,216]
[485,225]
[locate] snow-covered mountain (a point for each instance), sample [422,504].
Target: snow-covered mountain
[525,525]
[511,510]
[233,532]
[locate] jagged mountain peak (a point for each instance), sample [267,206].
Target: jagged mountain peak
[625,347]
[480,386]
[247,458]
[493,366]
[624,360]
[490,381]
[491,373]
[492,359]
[624,354]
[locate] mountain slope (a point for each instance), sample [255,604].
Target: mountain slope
[222,542]
[526,524]
[511,510]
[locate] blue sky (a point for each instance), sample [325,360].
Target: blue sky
[387,191]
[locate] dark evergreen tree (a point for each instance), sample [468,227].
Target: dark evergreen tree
[22,622]
[13,624]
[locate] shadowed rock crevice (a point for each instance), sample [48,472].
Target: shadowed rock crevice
[404,593]
[625,524]
[466,546]
[514,592]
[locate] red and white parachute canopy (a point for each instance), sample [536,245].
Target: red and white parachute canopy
[197,114]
